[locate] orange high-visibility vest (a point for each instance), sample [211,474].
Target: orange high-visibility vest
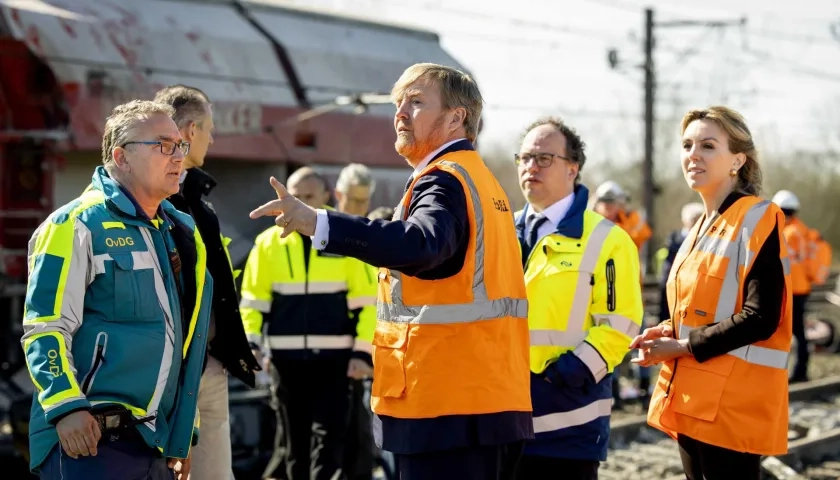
[459,345]
[635,226]
[797,236]
[820,258]
[738,400]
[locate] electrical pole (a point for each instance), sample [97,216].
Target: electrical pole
[650,189]
[647,165]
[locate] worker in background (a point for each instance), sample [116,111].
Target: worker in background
[450,384]
[798,238]
[611,202]
[117,312]
[722,391]
[228,349]
[579,337]
[353,190]
[820,258]
[303,300]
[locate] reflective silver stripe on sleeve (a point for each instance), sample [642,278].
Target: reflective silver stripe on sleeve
[481,308]
[593,360]
[299,342]
[619,323]
[579,312]
[359,302]
[573,418]
[296,288]
[555,338]
[169,338]
[263,306]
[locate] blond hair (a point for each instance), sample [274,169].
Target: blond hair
[457,90]
[121,123]
[740,141]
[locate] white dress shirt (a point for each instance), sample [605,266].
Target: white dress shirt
[555,213]
[322,224]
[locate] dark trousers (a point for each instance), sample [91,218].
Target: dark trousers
[312,401]
[548,468]
[800,367]
[493,462]
[360,450]
[702,461]
[116,459]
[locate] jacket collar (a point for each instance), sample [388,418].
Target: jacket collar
[197,181]
[122,200]
[572,224]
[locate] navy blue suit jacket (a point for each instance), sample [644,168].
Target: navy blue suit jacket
[430,244]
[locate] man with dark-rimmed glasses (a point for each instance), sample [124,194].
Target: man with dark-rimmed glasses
[117,313]
[585,305]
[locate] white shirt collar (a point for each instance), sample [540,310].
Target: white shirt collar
[183,176]
[420,166]
[557,210]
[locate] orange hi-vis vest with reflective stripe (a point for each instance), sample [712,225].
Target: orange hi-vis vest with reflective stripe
[820,258]
[798,238]
[738,400]
[460,345]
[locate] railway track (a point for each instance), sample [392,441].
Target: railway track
[640,452]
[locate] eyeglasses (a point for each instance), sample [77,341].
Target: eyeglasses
[166,147]
[544,160]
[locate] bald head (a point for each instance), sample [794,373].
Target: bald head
[309,186]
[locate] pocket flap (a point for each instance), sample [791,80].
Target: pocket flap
[123,261]
[390,335]
[697,393]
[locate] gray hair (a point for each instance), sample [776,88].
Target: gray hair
[355,174]
[190,103]
[122,121]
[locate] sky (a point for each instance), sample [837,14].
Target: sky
[536,57]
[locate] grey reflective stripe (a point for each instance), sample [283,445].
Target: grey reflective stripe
[169,338]
[742,256]
[582,300]
[299,342]
[298,288]
[739,255]
[768,357]
[573,418]
[786,267]
[619,323]
[359,302]
[263,306]
[481,308]
[593,360]
[555,338]
[362,346]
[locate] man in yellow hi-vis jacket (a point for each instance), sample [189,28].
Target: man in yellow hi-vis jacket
[585,306]
[299,302]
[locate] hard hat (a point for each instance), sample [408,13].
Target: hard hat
[609,191]
[786,200]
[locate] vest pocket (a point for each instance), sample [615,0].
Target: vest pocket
[134,287]
[697,393]
[390,340]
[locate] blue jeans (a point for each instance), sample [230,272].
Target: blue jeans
[116,459]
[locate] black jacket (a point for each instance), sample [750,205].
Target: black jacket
[230,345]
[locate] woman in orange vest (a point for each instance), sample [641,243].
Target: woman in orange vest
[722,391]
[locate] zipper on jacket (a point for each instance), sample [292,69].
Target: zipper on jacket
[307,252]
[611,285]
[289,262]
[96,361]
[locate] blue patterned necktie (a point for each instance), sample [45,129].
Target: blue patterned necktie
[532,227]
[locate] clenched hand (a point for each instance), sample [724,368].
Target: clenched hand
[79,434]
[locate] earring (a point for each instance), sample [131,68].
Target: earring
[733,172]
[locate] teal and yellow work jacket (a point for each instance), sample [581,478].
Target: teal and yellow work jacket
[104,322]
[300,301]
[584,308]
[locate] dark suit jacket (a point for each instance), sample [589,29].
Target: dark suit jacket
[230,345]
[430,244]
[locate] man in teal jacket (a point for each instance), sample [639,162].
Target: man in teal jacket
[116,314]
